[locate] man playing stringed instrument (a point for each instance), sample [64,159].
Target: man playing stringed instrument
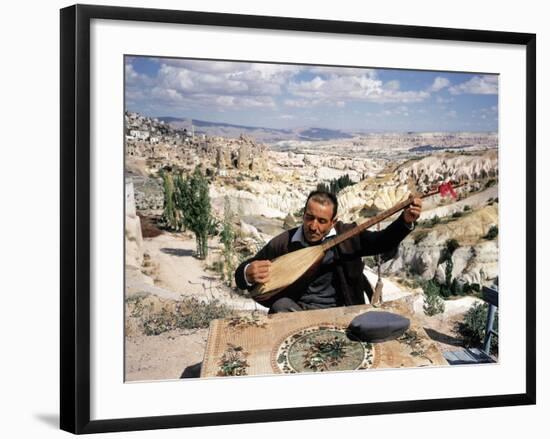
[338,279]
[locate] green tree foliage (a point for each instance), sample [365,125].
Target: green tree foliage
[433,303]
[169,215]
[451,245]
[336,185]
[448,288]
[473,327]
[193,202]
[227,237]
[492,233]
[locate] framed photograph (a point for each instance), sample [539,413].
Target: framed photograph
[200,152]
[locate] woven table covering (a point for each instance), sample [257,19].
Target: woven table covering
[312,341]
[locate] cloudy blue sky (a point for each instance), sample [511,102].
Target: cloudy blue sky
[292,96]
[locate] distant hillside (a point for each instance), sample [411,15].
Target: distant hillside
[260,134]
[323,134]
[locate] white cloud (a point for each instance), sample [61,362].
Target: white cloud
[487,84]
[198,84]
[401,110]
[302,103]
[135,79]
[360,88]
[439,83]
[343,71]
[193,82]
[202,66]
[167,94]
[245,102]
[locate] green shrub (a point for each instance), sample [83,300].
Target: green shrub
[451,245]
[446,256]
[190,313]
[217,266]
[472,328]
[492,233]
[467,208]
[457,214]
[468,288]
[433,303]
[456,288]
[227,237]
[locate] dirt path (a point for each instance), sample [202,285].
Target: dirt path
[164,356]
[177,270]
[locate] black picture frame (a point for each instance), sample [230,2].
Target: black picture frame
[75,217]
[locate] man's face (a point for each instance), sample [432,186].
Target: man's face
[317,220]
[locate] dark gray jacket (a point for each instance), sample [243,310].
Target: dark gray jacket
[348,278]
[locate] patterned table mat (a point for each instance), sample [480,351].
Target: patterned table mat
[311,341]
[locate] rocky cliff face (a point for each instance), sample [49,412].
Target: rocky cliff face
[274,200]
[369,197]
[475,261]
[448,166]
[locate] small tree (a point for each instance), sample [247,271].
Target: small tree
[473,327]
[169,214]
[433,303]
[447,256]
[227,236]
[193,200]
[336,184]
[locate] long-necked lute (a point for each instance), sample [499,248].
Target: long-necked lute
[287,270]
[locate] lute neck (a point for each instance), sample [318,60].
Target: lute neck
[372,221]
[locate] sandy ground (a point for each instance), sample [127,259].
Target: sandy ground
[176,270]
[163,356]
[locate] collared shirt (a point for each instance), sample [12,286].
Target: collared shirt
[299,236]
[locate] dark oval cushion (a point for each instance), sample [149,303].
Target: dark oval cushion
[378,326]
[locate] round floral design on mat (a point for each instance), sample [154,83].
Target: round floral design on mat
[322,349]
